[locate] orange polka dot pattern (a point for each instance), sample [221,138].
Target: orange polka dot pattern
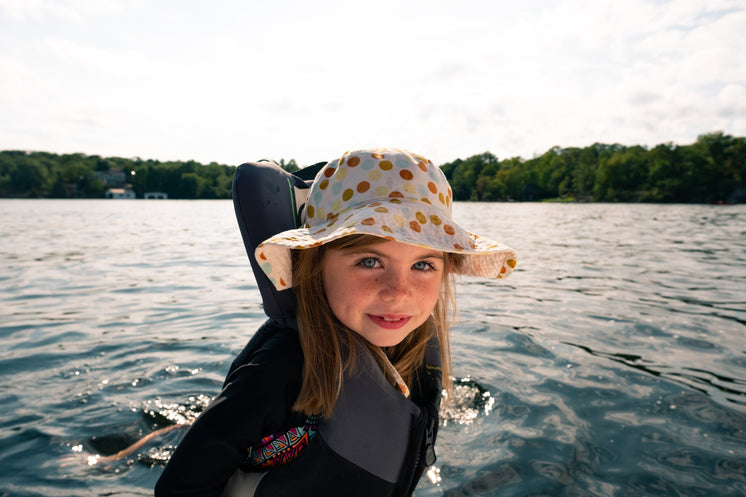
[389,193]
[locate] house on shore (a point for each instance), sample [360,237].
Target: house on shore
[120,193]
[155,195]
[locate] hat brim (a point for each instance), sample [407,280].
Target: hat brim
[400,220]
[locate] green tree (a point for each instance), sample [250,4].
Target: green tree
[29,178]
[711,169]
[290,167]
[664,173]
[190,186]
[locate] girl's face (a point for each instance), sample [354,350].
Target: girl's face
[383,291]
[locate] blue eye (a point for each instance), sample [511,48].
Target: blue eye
[422,266]
[369,262]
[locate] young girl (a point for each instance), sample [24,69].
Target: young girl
[346,401]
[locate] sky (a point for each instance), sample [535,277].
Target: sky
[231,81]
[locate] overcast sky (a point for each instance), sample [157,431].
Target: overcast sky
[238,80]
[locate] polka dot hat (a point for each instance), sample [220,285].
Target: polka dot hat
[388,193]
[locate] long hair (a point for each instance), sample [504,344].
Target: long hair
[323,337]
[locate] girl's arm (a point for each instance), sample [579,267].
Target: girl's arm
[255,402]
[136,446]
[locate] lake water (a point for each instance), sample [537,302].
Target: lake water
[611,363]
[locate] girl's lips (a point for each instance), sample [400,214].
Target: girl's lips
[388,321]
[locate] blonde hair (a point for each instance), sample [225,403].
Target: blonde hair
[323,338]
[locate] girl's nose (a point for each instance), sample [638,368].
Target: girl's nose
[394,285]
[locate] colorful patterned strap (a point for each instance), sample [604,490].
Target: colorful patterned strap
[281,448]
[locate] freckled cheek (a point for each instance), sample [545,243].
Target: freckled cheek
[347,297]
[430,293]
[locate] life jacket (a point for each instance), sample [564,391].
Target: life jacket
[377,442]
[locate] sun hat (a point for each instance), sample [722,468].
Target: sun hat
[389,193]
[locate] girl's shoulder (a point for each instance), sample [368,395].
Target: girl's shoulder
[273,348]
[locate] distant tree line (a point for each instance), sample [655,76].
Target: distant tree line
[43,174]
[713,169]
[48,175]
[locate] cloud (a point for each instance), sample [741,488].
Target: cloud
[644,98]
[731,102]
[58,10]
[233,80]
